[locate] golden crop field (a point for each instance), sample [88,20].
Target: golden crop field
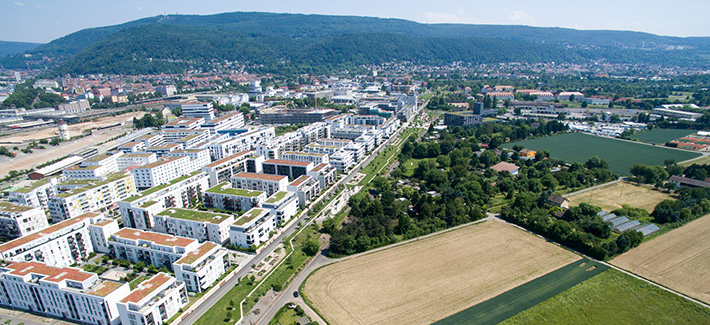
[678,259]
[613,196]
[430,279]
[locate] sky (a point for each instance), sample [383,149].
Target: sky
[44,20]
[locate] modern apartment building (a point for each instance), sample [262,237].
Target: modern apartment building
[77,197]
[20,220]
[154,301]
[224,197]
[200,268]
[260,182]
[252,228]
[152,248]
[223,169]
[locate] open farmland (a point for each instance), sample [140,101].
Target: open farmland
[612,197]
[661,136]
[614,298]
[579,147]
[430,279]
[678,259]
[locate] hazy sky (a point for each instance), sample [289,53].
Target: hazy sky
[45,20]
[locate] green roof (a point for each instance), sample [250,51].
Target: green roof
[276,197]
[249,216]
[99,158]
[220,189]
[194,215]
[12,207]
[90,183]
[132,198]
[148,203]
[27,189]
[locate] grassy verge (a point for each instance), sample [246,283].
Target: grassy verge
[514,301]
[287,316]
[615,298]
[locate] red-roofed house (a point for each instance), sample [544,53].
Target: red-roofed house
[507,167]
[154,301]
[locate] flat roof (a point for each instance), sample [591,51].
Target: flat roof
[265,177]
[298,181]
[12,207]
[193,256]
[162,161]
[154,237]
[220,189]
[250,215]
[319,167]
[146,288]
[129,144]
[227,159]
[194,215]
[32,186]
[105,287]
[51,229]
[278,196]
[287,162]
[51,273]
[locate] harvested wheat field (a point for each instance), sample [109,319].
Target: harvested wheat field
[678,259]
[430,279]
[613,196]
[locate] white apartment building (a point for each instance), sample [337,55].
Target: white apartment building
[63,292]
[243,140]
[37,194]
[95,168]
[154,301]
[224,197]
[305,187]
[138,211]
[162,171]
[99,233]
[152,248]
[164,150]
[59,245]
[223,169]
[135,159]
[151,140]
[82,196]
[198,157]
[131,147]
[282,205]
[316,158]
[260,182]
[231,121]
[325,174]
[197,110]
[20,220]
[200,225]
[291,168]
[183,124]
[252,228]
[202,267]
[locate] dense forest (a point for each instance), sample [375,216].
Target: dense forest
[301,42]
[26,96]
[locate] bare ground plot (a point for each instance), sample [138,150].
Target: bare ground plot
[74,129]
[678,259]
[613,196]
[430,279]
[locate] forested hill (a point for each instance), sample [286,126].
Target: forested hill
[299,41]
[7,48]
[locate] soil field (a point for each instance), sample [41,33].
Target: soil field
[579,147]
[613,196]
[614,298]
[430,279]
[661,136]
[74,129]
[678,259]
[512,302]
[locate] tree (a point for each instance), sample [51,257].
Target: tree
[311,246]
[329,225]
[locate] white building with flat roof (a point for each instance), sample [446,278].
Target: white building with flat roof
[325,174]
[260,182]
[282,205]
[230,121]
[253,228]
[223,169]
[62,292]
[20,220]
[202,267]
[154,301]
[59,245]
[162,171]
[305,187]
[94,168]
[77,197]
[36,194]
[224,197]
[135,160]
[200,225]
[152,248]
[197,110]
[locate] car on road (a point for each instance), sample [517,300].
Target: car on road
[295,294]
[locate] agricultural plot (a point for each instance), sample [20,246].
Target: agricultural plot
[512,302]
[615,195]
[430,279]
[579,147]
[661,136]
[677,259]
[614,298]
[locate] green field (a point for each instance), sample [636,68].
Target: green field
[661,136]
[579,147]
[512,302]
[614,298]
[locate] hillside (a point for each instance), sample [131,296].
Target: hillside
[301,42]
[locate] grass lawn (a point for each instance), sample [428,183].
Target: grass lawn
[412,164]
[285,316]
[614,298]
[512,302]
[228,304]
[701,161]
[579,147]
[612,197]
[661,136]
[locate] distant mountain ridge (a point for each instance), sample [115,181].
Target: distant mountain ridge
[7,47]
[296,41]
